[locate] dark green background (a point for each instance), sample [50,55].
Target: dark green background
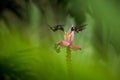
[27,44]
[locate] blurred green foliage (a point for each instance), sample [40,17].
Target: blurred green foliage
[27,45]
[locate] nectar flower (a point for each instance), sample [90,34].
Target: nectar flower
[68,39]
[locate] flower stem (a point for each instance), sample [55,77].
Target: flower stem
[68,59]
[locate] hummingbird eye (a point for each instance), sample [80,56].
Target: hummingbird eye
[72,29]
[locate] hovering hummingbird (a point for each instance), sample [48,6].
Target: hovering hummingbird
[68,37]
[74,28]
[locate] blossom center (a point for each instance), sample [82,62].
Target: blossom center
[67,36]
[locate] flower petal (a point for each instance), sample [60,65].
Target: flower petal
[72,36]
[63,43]
[75,47]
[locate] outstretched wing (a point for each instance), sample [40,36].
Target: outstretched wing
[79,28]
[57,27]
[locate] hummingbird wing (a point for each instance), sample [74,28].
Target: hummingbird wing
[57,27]
[80,28]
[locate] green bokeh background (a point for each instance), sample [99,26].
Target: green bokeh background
[27,44]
